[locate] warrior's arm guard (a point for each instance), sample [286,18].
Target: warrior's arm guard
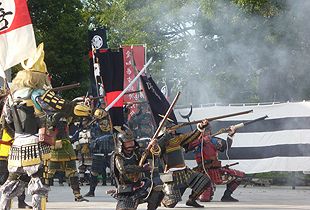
[50,98]
[164,139]
[189,137]
[51,102]
[119,164]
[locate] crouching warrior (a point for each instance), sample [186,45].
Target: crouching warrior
[177,176]
[133,187]
[206,149]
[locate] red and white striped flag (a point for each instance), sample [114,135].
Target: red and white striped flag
[17,41]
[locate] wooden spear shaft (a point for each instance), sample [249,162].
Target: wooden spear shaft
[209,119]
[161,124]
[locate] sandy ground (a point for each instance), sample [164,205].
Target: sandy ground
[250,198]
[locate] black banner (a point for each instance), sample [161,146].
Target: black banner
[97,38]
[112,74]
[157,101]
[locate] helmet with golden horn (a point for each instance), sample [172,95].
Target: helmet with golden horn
[36,62]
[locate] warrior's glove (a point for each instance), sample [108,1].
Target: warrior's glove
[231,131]
[100,113]
[201,126]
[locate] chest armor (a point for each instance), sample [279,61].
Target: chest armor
[209,152]
[24,112]
[102,145]
[24,118]
[174,156]
[134,176]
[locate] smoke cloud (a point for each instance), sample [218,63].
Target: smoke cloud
[230,56]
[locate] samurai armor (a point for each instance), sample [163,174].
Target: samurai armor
[82,146]
[27,150]
[100,163]
[224,175]
[102,145]
[215,175]
[198,182]
[52,100]
[66,153]
[69,167]
[207,195]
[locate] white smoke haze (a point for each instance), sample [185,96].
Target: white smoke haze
[235,57]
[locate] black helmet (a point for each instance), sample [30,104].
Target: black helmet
[125,134]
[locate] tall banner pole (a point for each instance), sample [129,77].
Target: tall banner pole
[96,68]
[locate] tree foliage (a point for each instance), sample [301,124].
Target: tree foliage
[228,51]
[61,26]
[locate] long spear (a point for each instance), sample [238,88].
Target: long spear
[66,87]
[209,119]
[154,140]
[237,126]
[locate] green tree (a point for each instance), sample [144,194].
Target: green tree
[61,26]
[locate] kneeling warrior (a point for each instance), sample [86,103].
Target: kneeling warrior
[132,185]
[177,176]
[206,150]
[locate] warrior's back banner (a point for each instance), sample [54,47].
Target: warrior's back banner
[157,101]
[17,41]
[279,143]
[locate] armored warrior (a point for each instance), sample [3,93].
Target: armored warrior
[206,150]
[5,145]
[63,155]
[63,158]
[25,111]
[141,122]
[131,182]
[101,147]
[81,143]
[177,176]
[32,101]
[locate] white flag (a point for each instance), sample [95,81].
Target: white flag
[17,41]
[279,143]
